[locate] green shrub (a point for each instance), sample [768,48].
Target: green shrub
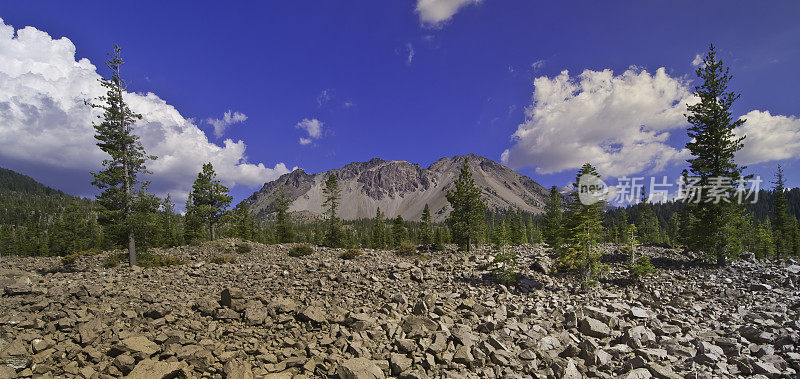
[424,257]
[505,267]
[301,250]
[244,248]
[350,254]
[112,260]
[222,259]
[69,260]
[642,268]
[405,248]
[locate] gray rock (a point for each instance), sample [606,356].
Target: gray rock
[312,314]
[399,363]
[152,369]
[594,328]
[359,368]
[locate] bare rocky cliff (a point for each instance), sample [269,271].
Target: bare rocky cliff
[400,187]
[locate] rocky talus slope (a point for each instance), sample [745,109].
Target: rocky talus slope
[269,315]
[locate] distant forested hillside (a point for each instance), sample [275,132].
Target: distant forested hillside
[39,220]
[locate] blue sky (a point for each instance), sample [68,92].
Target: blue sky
[400,80]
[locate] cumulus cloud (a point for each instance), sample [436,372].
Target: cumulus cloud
[620,123]
[222,124]
[436,12]
[768,137]
[45,125]
[313,127]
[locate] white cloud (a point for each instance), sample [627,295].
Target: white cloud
[537,65]
[768,138]
[323,98]
[620,123]
[411,53]
[436,12]
[697,61]
[313,127]
[45,125]
[228,119]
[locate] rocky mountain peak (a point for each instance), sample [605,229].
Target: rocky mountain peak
[402,188]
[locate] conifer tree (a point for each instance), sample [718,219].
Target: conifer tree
[466,221]
[243,226]
[438,240]
[399,231]
[378,231]
[209,199]
[334,236]
[119,180]
[782,231]
[764,241]
[426,234]
[284,232]
[713,146]
[647,223]
[171,234]
[553,230]
[582,233]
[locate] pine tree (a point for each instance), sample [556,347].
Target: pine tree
[334,236]
[169,224]
[284,232]
[243,226]
[399,231]
[119,180]
[781,231]
[553,230]
[582,233]
[713,147]
[466,221]
[764,241]
[378,231]
[647,223]
[209,198]
[426,234]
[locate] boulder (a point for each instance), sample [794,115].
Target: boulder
[359,368]
[152,369]
[594,328]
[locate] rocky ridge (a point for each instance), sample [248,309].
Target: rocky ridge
[401,188]
[269,315]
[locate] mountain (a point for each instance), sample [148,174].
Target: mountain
[13,181]
[400,187]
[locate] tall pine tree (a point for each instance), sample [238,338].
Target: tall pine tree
[378,231]
[781,229]
[284,232]
[119,179]
[713,147]
[582,233]
[334,236]
[426,234]
[553,229]
[466,221]
[209,199]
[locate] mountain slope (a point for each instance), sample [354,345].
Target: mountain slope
[400,187]
[13,181]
